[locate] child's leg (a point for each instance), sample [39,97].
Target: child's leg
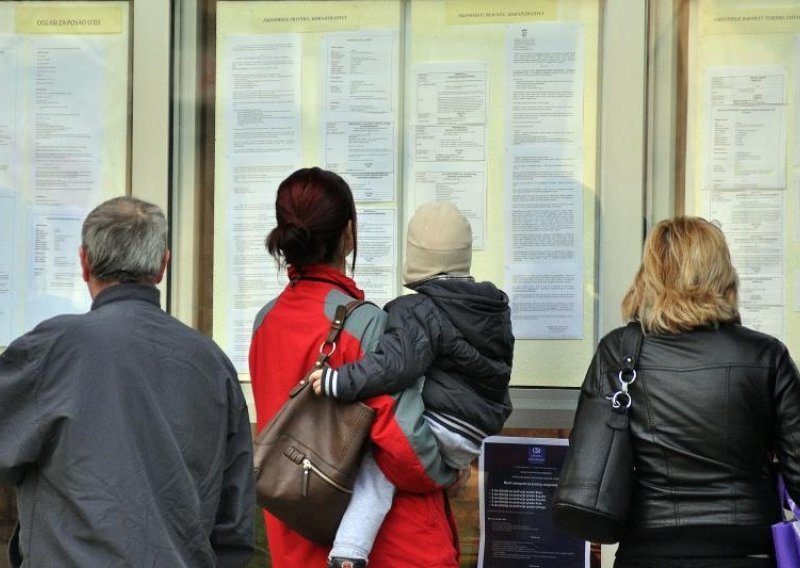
[371,501]
[457,451]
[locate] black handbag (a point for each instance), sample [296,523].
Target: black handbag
[592,499]
[307,457]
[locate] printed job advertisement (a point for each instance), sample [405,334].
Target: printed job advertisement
[65,120]
[9,247]
[261,106]
[517,481]
[56,284]
[544,85]
[450,94]
[754,223]
[252,280]
[262,144]
[448,134]
[10,112]
[363,153]
[745,133]
[377,254]
[450,113]
[761,304]
[544,242]
[462,183]
[361,72]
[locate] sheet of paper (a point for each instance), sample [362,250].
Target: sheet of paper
[754,225]
[745,135]
[463,183]
[10,112]
[363,153]
[253,278]
[545,68]
[377,254]
[9,247]
[66,146]
[796,278]
[544,243]
[449,133]
[544,179]
[517,478]
[262,145]
[360,72]
[359,134]
[56,284]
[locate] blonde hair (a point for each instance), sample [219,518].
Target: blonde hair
[686,279]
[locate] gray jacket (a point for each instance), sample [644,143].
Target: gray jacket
[127,437]
[457,333]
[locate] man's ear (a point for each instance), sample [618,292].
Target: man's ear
[163,269]
[85,270]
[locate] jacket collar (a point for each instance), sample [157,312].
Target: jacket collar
[326,273]
[127,291]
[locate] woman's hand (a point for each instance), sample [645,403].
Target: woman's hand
[315,378]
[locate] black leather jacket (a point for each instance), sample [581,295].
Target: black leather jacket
[711,409]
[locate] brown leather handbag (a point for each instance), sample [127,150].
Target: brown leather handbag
[307,457]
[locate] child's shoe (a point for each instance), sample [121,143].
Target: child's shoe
[338,562]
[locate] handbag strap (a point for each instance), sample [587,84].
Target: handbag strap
[328,346]
[632,339]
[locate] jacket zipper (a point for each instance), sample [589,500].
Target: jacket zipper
[308,467]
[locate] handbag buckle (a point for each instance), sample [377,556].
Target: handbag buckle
[622,398]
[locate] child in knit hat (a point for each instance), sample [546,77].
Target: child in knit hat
[454,331]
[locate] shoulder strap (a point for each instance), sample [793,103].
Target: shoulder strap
[343,311]
[631,346]
[630,350]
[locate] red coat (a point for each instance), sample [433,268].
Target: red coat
[419,529]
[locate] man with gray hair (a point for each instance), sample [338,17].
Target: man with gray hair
[124,431]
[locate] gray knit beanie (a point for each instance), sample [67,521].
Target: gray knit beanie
[438,241]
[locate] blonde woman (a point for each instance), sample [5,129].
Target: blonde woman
[715,405]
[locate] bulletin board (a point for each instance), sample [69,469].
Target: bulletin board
[64,147]
[743,157]
[491,105]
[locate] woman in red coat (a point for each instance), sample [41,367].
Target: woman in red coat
[316,231]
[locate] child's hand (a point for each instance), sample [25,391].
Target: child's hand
[457,487]
[315,378]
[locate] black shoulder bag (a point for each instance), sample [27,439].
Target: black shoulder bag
[594,490]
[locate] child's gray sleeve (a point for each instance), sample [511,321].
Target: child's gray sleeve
[403,353]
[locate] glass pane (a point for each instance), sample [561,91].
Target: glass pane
[63,147]
[742,148]
[494,109]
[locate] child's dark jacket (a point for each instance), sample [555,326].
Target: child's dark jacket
[457,333]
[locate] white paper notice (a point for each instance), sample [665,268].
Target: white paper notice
[66,153]
[56,282]
[10,113]
[545,83]
[361,72]
[544,256]
[253,278]
[449,130]
[359,136]
[544,176]
[754,227]
[746,127]
[262,146]
[377,254]
[363,153]
[9,247]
